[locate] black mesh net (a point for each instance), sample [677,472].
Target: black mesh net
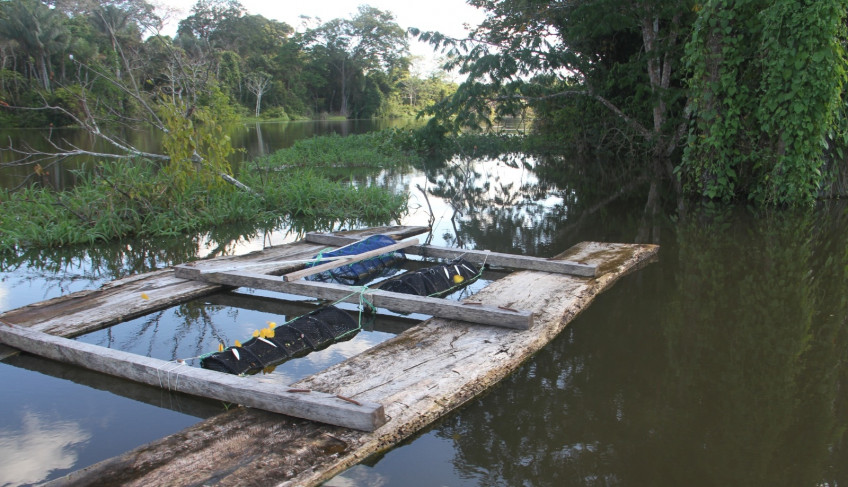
[314,331]
[438,280]
[363,271]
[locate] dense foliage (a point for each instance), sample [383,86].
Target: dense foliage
[767,83]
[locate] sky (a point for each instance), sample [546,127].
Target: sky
[445,16]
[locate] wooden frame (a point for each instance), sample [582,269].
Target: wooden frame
[176,376]
[401,303]
[477,256]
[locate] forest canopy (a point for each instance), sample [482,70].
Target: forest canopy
[221,55]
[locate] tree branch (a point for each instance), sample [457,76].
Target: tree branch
[634,124]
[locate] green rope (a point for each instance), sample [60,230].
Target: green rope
[319,256]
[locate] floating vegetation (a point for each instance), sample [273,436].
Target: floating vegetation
[136,199]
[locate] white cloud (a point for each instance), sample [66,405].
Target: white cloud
[29,455]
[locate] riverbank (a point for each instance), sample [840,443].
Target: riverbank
[134,198]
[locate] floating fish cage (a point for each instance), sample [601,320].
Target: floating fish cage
[364,271]
[323,327]
[435,281]
[308,333]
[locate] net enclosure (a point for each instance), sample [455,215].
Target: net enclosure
[364,271]
[314,331]
[436,281]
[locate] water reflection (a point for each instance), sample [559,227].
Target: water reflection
[58,418]
[724,364]
[40,446]
[518,203]
[770,327]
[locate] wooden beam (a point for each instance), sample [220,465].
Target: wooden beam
[316,406]
[478,257]
[386,323]
[401,303]
[340,261]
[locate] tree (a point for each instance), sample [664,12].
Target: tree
[180,102]
[124,19]
[207,16]
[257,83]
[371,41]
[767,83]
[619,55]
[38,29]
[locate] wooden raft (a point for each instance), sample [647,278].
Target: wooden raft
[29,329]
[419,376]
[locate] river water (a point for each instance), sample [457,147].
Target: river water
[722,364]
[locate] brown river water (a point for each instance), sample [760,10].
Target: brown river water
[724,363]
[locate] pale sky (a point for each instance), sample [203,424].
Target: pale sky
[445,16]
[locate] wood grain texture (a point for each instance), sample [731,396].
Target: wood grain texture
[419,376]
[400,303]
[479,257]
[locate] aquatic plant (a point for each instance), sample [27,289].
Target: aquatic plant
[119,200]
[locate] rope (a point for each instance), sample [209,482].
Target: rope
[364,303]
[178,363]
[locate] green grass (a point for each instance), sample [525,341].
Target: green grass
[375,149]
[135,199]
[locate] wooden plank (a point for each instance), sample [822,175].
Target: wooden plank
[401,303]
[340,261]
[384,322]
[479,257]
[316,406]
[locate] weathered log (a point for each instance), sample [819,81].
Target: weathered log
[179,377]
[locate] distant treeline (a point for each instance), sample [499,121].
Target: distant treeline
[221,57]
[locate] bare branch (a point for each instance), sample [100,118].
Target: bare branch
[634,124]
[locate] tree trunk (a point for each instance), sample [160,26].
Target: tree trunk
[45,73]
[343,108]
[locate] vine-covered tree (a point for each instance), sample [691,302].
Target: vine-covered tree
[768,81]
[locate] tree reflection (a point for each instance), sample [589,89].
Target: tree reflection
[62,270]
[723,365]
[532,204]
